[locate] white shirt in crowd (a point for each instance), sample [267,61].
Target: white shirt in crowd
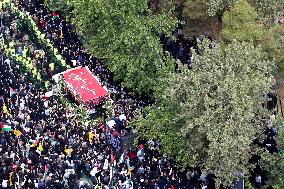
[5,183]
[258,179]
[81,183]
[128,184]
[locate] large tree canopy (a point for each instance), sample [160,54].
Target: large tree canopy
[58,5]
[209,116]
[126,35]
[240,24]
[273,45]
[264,7]
[196,9]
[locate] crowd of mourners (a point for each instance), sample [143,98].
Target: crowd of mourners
[43,144]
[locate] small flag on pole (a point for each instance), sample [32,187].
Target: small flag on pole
[101,125]
[12,92]
[68,151]
[121,159]
[11,178]
[105,167]
[17,133]
[113,159]
[7,128]
[5,110]
[61,34]
[33,143]
[129,171]
[51,66]
[91,136]
[45,168]
[40,147]
[140,151]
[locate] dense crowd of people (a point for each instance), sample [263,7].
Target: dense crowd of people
[43,144]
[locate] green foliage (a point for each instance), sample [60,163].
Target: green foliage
[248,184]
[273,45]
[268,9]
[264,7]
[125,34]
[215,6]
[165,6]
[279,185]
[58,5]
[280,136]
[195,9]
[240,23]
[274,163]
[210,115]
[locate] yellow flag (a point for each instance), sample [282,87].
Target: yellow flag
[63,62]
[38,33]
[25,52]
[38,76]
[34,71]
[61,34]
[42,36]
[91,136]
[68,151]
[10,178]
[51,66]
[11,44]
[5,110]
[30,65]
[24,62]
[55,50]
[129,171]
[40,148]
[58,57]
[20,58]
[17,133]
[13,51]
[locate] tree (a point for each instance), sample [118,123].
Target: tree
[215,6]
[273,45]
[240,23]
[198,21]
[125,34]
[209,116]
[269,10]
[196,9]
[274,163]
[58,5]
[165,6]
[264,7]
